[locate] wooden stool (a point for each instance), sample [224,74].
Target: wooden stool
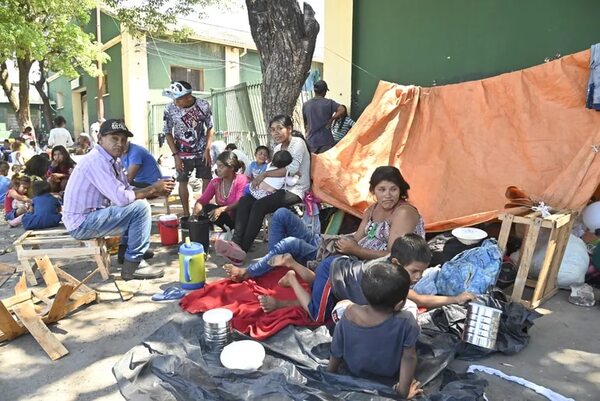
[560,225]
[59,244]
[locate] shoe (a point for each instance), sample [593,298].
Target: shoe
[121,255]
[140,270]
[231,251]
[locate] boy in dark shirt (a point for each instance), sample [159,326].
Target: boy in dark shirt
[45,208]
[378,339]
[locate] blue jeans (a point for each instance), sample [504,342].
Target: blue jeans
[287,234]
[133,222]
[322,300]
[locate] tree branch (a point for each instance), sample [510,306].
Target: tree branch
[8,87]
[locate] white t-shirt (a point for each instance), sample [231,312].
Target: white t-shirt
[59,136]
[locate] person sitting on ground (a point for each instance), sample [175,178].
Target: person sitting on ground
[44,211]
[17,200]
[378,340]
[84,144]
[60,169]
[243,157]
[4,180]
[269,185]
[251,211]
[260,164]
[59,135]
[27,135]
[36,168]
[227,189]
[388,218]
[142,168]
[99,201]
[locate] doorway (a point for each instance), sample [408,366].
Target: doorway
[84,113]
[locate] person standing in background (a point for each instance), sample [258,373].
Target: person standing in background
[189,130]
[318,114]
[59,135]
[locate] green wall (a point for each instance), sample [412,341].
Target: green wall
[250,67]
[62,84]
[432,42]
[162,55]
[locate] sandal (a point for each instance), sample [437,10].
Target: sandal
[231,251]
[170,294]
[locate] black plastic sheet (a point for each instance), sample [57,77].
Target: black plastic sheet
[171,365]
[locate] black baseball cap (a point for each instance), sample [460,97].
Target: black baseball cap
[321,86]
[114,126]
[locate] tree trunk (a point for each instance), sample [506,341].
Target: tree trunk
[39,86]
[8,87]
[24,112]
[285,38]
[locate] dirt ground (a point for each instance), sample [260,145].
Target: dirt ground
[563,355]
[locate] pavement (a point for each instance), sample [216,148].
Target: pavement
[563,355]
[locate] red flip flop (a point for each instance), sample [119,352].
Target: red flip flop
[231,251]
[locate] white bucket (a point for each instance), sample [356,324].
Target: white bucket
[481,326]
[167,217]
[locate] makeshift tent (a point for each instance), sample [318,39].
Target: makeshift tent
[460,146]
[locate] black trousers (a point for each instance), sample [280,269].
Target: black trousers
[250,213]
[223,220]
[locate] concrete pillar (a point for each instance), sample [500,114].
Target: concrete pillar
[232,66]
[337,61]
[136,93]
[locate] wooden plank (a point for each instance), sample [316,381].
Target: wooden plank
[25,266]
[535,303]
[22,237]
[39,331]
[57,311]
[515,211]
[563,239]
[507,221]
[21,284]
[51,241]
[45,267]
[80,300]
[527,220]
[41,297]
[72,280]
[60,252]
[42,233]
[8,325]
[545,268]
[27,295]
[526,256]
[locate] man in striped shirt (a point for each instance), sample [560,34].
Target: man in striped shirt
[99,201]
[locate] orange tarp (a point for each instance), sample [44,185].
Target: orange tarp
[460,146]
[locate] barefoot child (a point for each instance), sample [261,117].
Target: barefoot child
[16,201]
[339,280]
[378,340]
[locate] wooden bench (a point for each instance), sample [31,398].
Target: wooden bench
[560,225]
[57,243]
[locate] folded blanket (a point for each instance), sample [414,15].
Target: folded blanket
[242,300]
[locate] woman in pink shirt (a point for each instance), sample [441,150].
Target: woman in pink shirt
[227,189]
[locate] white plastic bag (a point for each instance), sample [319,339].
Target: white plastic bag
[573,266]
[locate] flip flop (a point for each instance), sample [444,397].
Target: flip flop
[231,251]
[170,294]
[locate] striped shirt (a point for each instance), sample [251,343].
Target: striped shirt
[98,181]
[340,128]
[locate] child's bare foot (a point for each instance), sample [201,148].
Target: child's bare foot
[286,260]
[288,279]
[268,304]
[237,274]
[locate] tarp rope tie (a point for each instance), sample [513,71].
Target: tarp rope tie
[543,209]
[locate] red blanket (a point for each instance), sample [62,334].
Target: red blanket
[242,300]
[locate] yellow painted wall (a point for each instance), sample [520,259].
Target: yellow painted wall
[337,70]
